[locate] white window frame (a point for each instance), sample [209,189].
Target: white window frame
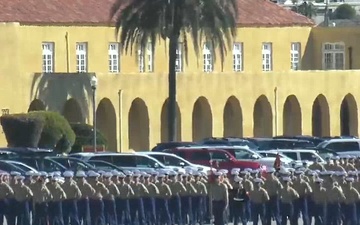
[48,57]
[179,58]
[295,55]
[114,57]
[208,58]
[141,60]
[146,59]
[238,56]
[330,56]
[266,51]
[82,57]
[150,58]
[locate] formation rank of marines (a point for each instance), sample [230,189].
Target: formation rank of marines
[322,194]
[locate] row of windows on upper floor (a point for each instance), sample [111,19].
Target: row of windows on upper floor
[333,57]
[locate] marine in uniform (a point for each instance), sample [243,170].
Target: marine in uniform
[11,202]
[186,204]
[300,204]
[73,194]
[97,215]
[176,187]
[220,199]
[352,197]
[198,198]
[272,185]
[258,198]
[335,197]
[109,200]
[136,201]
[163,214]
[240,198]
[83,203]
[316,165]
[55,204]
[22,196]
[149,200]
[122,201]
[41,196]
[319,198]
[287,196]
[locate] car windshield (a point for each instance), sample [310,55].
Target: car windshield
[103,165]
[70,163]
[21,166]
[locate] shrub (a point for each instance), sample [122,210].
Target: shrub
[21,130]
[85,136]
[56,127]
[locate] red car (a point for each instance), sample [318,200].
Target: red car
[213,157]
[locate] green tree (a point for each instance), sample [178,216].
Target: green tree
[344,11]
[85,136]
[306,8]
[141,21]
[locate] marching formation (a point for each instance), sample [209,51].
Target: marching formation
[320,193]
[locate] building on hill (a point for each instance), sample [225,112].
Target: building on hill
[283,76]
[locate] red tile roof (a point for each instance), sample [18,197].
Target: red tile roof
[258,13]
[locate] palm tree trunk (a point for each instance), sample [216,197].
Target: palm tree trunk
[172,117]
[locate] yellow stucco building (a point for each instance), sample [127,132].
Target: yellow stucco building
[283,76]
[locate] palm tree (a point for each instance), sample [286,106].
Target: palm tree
[139,22]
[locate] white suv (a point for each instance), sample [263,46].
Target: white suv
[342,146]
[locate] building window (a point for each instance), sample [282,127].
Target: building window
[48,57]
[295,55]
[179,58]
[208,58]
[267,57]
[146,59]
[150,58]
[333,56]
[81,57]
[114,62]
[238,57]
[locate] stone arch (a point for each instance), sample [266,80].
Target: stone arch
[202,123]
[263,118]
[37,105]
[320,117]
[139,126]
[232,118]
[164,122]
[292,120]
[106,122]
[72,111]
[349,116]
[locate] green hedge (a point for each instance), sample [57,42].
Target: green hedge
[85,136]
[56,132]
[22,131]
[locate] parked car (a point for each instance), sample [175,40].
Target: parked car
[314,140]
[41,164]
[128,161]
[73,163]
[300,155]
[231,141]
[343,146]
[167,145]
[21,165]
[217,158]
[8,167]
[246,154]
[175,161]
[106,166]
[270,144]
[283,158]
[21,152]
